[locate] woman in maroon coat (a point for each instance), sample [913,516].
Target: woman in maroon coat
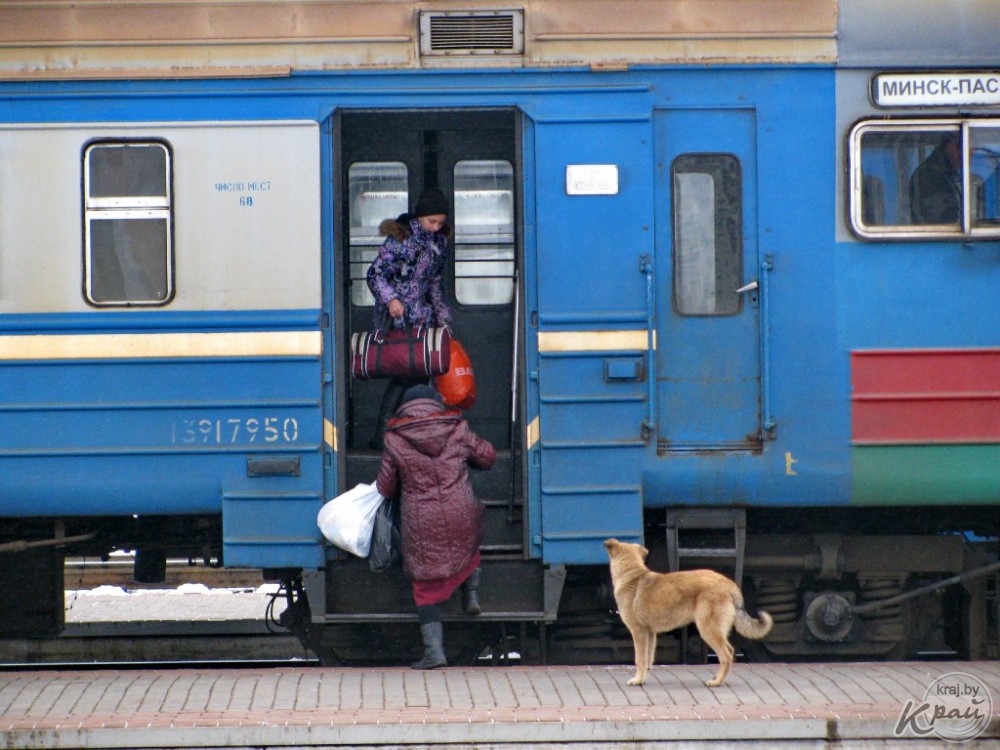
[428,451]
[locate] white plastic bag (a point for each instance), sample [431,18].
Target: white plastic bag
[347,520]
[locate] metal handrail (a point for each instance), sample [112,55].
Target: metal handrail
[646,267]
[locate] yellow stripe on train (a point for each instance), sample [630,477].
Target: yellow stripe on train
[152,345]
[594,341]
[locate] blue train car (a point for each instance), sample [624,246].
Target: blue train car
[703,306]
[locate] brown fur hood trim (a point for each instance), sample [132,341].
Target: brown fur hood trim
[399,228]
[395,229]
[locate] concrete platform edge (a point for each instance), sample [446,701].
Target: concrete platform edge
[141,738]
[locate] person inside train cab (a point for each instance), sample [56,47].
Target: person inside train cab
[936,185]
[406,280]
[429,449]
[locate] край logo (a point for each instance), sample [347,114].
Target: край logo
[956,707]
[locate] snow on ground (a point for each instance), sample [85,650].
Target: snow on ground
[189,601]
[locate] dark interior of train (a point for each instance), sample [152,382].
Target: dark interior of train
[386,159]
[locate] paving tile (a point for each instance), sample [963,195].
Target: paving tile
[496,704]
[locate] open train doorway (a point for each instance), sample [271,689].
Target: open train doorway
[384,160]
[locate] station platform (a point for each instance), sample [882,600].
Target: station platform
[761,705]
[115,610]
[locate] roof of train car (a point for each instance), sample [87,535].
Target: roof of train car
[152,38]
[74,39]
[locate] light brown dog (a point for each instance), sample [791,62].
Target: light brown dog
[651,603]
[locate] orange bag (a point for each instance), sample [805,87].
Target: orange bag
[457,386]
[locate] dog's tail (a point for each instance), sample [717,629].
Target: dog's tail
[751,627]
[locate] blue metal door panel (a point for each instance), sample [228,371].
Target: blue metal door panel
[592,324]
[708,364]
[610,402]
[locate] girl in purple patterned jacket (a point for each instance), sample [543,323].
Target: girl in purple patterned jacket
[406,280]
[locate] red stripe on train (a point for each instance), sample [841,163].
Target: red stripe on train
[925,396]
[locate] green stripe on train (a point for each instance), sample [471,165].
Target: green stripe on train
[926,475]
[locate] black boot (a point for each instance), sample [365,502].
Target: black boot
[433,635]
[470,594]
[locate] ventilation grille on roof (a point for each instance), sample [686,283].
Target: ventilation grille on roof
[494,32]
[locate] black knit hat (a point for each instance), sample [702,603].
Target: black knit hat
[431,203]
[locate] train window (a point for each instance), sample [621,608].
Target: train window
[484,232]
[127,219]
[376,191]
[708,234]
[925,179]
[984,169]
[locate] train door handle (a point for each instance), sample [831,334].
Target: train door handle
[751,289]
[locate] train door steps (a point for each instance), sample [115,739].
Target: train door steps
[847,706]
[703,519]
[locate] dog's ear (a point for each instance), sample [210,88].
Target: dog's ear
[610,544]
[645,553]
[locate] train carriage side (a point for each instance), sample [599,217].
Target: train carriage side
[824,378]
[599,424]
[916,258]
[161,349]
[808,408]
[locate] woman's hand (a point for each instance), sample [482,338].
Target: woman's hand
[395,308]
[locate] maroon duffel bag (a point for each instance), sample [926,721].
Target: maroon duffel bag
[419,352]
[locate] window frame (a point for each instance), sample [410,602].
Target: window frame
[459,265]
[965,230]
[737,251]
[359,246]
[127,208]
